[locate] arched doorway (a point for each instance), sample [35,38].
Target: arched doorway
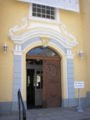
[43,78]
[43,36]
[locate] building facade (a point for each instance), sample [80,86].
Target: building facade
[44,49]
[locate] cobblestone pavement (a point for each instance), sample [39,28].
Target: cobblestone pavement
[50,114]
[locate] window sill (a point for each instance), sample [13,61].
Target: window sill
[37,19]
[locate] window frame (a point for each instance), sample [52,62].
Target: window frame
[43,11]
[56,20]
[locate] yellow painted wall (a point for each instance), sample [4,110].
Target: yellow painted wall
[11,13]
[85,10]
[73,21]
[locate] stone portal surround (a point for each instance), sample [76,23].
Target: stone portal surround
[18,82]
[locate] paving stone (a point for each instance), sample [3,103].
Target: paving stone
[50,114]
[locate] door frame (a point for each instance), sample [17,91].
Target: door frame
[43,57]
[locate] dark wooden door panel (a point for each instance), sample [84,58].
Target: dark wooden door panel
[51,83]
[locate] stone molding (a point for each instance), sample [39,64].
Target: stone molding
[33,30]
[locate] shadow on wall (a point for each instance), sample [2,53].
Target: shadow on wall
[88,99]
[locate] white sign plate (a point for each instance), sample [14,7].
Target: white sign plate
[79,84]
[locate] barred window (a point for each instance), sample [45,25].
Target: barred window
[43,11]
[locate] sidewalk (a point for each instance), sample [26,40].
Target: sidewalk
[51,114]
[58,114]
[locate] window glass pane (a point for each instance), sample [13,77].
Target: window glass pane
[43,16]
[34,9]
[48,16]
[52,17]
[40,51]
[48,12]
[39,10]
[34,14]
[43,7]
[52,12]
[48,8]
[34,5]
[52,9]
[38,14]
[38,6]
[43,11]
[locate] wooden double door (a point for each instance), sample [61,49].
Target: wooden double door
[51,83]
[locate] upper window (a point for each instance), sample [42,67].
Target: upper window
[43,11]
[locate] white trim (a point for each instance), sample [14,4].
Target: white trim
[44,31]
[35,29]
[69,54]
[18,28]
[57,15]
[56,20]
[18,49]
[70,5]
[30,11]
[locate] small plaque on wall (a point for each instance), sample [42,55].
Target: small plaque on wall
[79,84]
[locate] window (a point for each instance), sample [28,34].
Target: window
[43,11]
